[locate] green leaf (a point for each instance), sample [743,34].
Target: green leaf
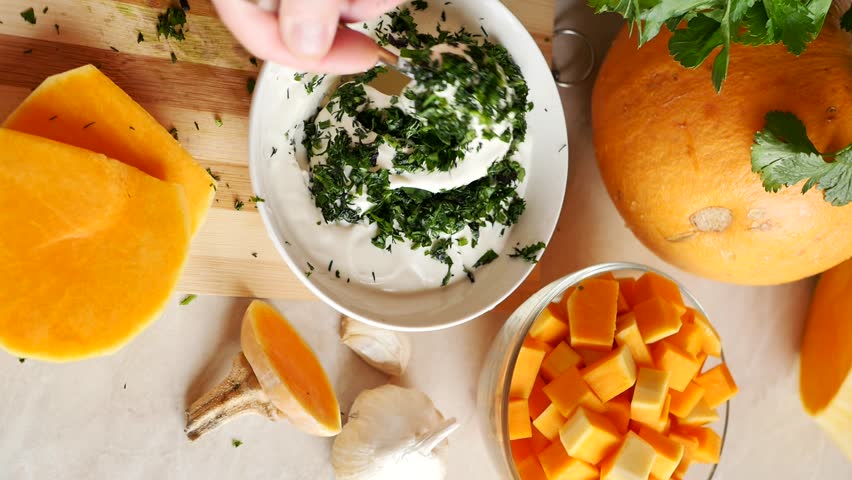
[486,258]
[528,253]
[236,443]
[783,155]
[692,45]
[187,299]
[793,23]
[670,13]
[846,20]
[756,27]
[720,68]
[29,15]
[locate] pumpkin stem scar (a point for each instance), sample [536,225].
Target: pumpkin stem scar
[712,219]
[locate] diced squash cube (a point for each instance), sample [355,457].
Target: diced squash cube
[632,461]
[561,358]
[649,395]
[539,442]
[621,305]
[682,468]
[684,402]
[627,334]
[538,401]
[592,309]
[521,449]
[568,391]
[652,285]
[662,424]
[669,453]
[590,356]
[682,366]
[526,367]
[618,411]
[683,436]
[557,465]
[530,469]
[518,417]
[611,375]
[551,326]
[589,436]
[718,384]
[702,414]
[626,289]
[657,319]
[688,338]
[549,422]
[709,446]
[711,343]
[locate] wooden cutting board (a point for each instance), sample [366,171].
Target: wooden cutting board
[232,254]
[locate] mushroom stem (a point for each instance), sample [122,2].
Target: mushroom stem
[238,394]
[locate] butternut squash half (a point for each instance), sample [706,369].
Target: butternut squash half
[91,249]
[84,108]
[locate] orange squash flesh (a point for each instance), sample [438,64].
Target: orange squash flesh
[288,371]
[84,108]
[91,250]
[633,405]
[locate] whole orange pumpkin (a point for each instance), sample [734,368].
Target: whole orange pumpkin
[676,160]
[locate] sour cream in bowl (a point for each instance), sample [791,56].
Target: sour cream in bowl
[418,205]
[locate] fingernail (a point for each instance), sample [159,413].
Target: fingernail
[308,39]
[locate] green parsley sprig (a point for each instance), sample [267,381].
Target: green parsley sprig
[701,27]
[783,155]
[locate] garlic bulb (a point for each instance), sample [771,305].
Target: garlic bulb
[393,433]
[384,350]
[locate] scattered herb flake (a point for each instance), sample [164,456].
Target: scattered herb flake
[461,241]
[250,85]
[56,27]
[44,10]
[337,274]
[88,125]
[236,443]
[210,172]
[22,360]
[563,147]
[29,15]
[486,258]
[528,253]
[184,4]
[113,48]
[484,32]
[254,254]
[330,263]
[783,155]
[53,118]
[28,51]
[131,127]
[218,121]
[274,151]
[196,126]
[174,133]
[238,204]
[140,38]
[174,57]
[172,23]
[124,387]
[469,274]
[256,199]
[419,4]
[443,15]
[253,61]
[374,277]
[188,299]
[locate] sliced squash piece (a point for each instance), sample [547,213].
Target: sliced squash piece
[825,381]
[289,371]
[518,419]
[91,249]
[84,108]
[592,309]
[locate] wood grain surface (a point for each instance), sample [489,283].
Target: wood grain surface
[232,254]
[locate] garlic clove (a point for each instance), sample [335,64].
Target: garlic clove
[392,433]
[384,350]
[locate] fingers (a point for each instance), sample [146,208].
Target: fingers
[308,27]
[360,10]
[258,31]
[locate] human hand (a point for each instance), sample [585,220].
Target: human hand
[304,34]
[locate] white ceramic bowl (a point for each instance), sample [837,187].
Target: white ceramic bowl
[277,106]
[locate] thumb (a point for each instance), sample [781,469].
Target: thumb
[308,27]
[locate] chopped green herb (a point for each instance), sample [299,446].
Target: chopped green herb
[443,16]
[125,386]
[218,121]
[113,48]
[22,360]
[469,274]
[330,263]
[210,172]
[253,61]
[131,127]
[486,258]
[563,147]
[374,277]
[313,83]
[184,4]
[236,443]
[28,51]
[783,155]
[172,23]
[298,76]
[310,269]
[256,199]
[238,204]
[173,56]
[462,241]
[484,32]
[310,266]
[29,15]
[53,118]
[88,125]
[337,274]
[419,4]
[274,151]
[140,38]
[528,253]
[174,133]
[189,298]
[196,126]
[56,27]
[44,10]
[250,85]
[254,254]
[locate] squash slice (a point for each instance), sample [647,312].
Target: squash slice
[84,108]
[91,249]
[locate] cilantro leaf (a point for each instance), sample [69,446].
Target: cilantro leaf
[236,443]
[528,253]
[189,298]
[486,258]
[171,23]
[783,155]
[29,15]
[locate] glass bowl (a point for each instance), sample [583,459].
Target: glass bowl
[497,370]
